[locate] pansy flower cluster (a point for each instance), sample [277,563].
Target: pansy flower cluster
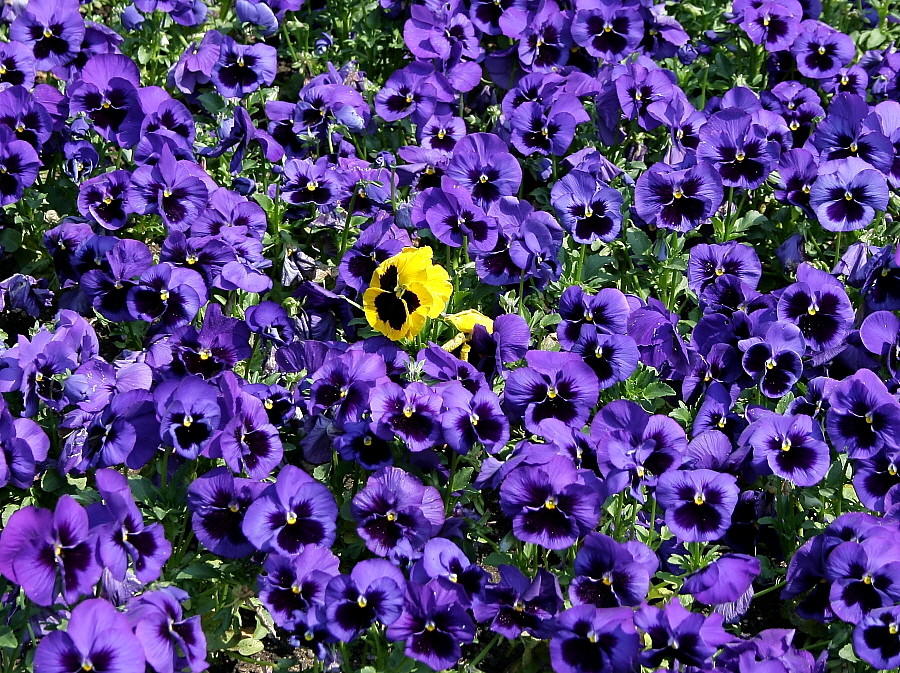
[533,335]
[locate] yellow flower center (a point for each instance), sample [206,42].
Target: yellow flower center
[367,441]
[164,295]
[551,393]
[409,99]
[518,605]
[845,80]
[607,580]
[295,588]
[473,419]
[785,444]
[291,518]
[740,156]
[869,418]
[234,507]
[38,377]
[308,636]
[49,33]
[867,579]
[699,498]
[241,62]
[192,259]
[813,309]
[720,271]
[441,133]
[391,515]
[312,186]
[892,470]
[848,196]
[854,147]
[407,411]
[766,20]
[87,666]
[821,51]
[482,178]
[453,577]
[592,637]
[550,503]
[430,626]
[770,364]
[205,354]
[892,628]
[362,602]
[678,194]
[794,125]
[187,421]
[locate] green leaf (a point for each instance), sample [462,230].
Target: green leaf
[461,479]
[496,559]
[199,571]
[249,646]
[7,638]
[657,389]
[143,489]
[639,241]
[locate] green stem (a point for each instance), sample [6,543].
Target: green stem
[346,233]
[484,652]
[770,589]
[522,294]
[837,249]
[580,268]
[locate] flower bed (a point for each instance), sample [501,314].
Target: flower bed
[492,336]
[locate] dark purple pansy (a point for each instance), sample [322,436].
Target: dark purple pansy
[698,503]
[589,209]
[818,304]
[587,639]
[482,164]
[708,262]
[433,624]
[454,218]
[607,311]
[543,130]
[609,574]
[776,360]
[475,418]
[241,69]
[293,585]
[50,554]
[121,533]
[821,51]
[170,189]
[553,385]
[293,512]
[171,641]
[167,296]
[864,576]
[608,29]
[444,561]
[679,635]
[797,172]
[218,502]
[105,199]
[395,508]
[844,134]
[517,604]
[53,29]
[847,194]
[863,417]
[189,414]
[19,166]
[773,23]
[793,447]
[97,638]
[876,638]
[411,91]
[738,148]
[25,117]
[678,199]
[550,505]
[411,413]
[372,592]
[107,94]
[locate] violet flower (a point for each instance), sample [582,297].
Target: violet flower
[292,513]
[97,638]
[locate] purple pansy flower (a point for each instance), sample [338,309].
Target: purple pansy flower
[698,503]
[97,638]
[292,513]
